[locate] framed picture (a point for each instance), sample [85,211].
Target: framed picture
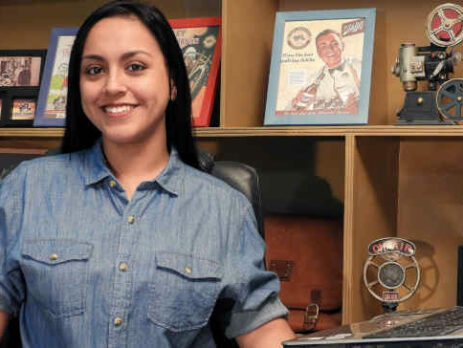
[320,71]
[18,108]
[51,102]
[200,41]
[20,74]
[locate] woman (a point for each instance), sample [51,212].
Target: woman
[120,241]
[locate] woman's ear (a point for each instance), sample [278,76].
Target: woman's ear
[173,90]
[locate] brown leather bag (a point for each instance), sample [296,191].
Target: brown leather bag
[306,253]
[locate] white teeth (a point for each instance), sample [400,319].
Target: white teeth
[117,109]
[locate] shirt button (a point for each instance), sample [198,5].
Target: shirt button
[112,183]
[117,321]
[188,270]
[54,257]
[123,267]
[131,219]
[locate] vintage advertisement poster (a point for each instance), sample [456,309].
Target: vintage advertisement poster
[56,97]
[198,45]
[320,67]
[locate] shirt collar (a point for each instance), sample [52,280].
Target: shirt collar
[95,165]
[170,179]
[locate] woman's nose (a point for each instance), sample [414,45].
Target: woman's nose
[114,83]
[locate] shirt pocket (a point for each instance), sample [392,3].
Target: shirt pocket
[56,273]
[184,291]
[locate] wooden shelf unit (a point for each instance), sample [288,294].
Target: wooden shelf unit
[394,180]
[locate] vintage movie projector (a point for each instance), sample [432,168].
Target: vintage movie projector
[441,102]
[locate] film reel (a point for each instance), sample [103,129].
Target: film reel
[449,99]
[444,25]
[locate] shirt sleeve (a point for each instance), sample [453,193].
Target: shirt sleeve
[252,289]
[11,281]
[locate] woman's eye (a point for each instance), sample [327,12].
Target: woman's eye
[135,67]
[93,70]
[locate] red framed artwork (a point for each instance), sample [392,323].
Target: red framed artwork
[200,41]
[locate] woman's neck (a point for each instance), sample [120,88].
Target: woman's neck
[134,163]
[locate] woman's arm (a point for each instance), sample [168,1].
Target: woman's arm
[3,322]
[269,335]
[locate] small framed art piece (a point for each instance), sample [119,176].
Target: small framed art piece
[320,70]
[200,41]
[18,108]
[20,74]
[51,104]
[23,109]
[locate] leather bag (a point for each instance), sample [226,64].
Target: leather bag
[306,253]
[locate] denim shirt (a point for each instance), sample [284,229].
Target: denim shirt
[85,267]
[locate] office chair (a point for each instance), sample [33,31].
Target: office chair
[245,179]
[240,176]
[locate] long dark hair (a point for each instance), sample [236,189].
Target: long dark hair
[80,133]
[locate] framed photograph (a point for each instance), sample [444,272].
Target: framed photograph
[320,71]
[51,104]
[20,74]
[200,41]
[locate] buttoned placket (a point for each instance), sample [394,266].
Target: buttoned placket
[123,282]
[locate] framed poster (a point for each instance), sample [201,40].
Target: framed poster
[200,41]
[320,70]
[51,103]
[20,74]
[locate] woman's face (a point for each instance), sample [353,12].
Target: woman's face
[124,81]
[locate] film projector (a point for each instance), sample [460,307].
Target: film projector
[442,102]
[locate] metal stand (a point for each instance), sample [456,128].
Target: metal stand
[389,307]
[420,109]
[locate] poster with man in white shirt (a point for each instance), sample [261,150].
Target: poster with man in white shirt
[321,75]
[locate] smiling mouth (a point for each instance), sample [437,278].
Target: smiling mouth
[119,110]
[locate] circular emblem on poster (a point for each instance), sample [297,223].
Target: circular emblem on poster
[299,38]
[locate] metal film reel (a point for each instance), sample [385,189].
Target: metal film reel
[449,99]
[444,25]
[390,274]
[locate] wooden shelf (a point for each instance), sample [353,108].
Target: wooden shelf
[336,131]
[32,132]
[317,131]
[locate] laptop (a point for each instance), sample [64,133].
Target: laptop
[424,328]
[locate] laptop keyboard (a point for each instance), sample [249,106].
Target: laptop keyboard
[439,324]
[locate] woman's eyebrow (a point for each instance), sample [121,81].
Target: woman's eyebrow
[134,53]
[92,56]
[124,56]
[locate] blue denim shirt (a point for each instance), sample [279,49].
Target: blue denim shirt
[85,267]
